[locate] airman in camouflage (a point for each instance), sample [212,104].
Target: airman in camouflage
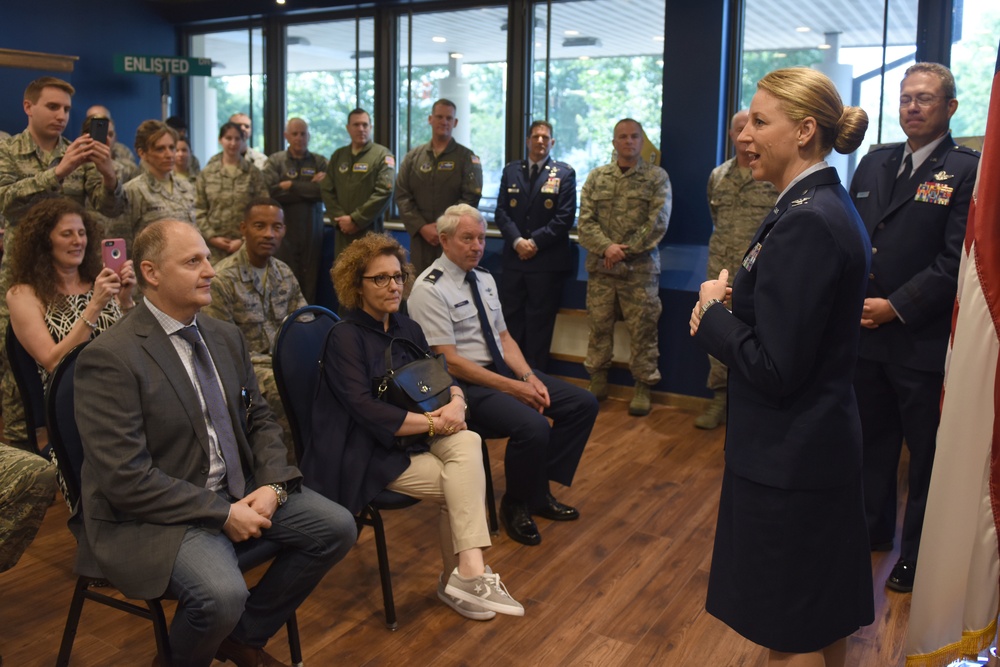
[432,177]
[149,200]
[222,192]
[358,183]
[738,205]
[39,162]
[624,210]
[27,487]
[255,291]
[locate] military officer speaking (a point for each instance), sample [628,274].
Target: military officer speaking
[535,212]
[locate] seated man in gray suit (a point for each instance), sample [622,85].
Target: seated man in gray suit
[185,469]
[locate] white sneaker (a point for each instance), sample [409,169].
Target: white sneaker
[470,610]
[486,591]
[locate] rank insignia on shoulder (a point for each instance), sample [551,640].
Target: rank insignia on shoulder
[433,276]
[479,268]
[943,176]
[800,202]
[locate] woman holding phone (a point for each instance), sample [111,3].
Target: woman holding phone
[61,296]
[791,569]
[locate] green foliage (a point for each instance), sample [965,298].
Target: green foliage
[758,63]
[324,99]
[972,63]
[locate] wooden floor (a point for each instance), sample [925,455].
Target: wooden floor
[624,585]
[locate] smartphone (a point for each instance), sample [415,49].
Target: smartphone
[99,129]
[113,252]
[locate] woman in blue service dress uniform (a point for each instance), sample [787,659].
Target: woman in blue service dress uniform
[791,568]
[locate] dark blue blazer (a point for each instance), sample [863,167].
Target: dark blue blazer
[543,213]
[791,341]
[917,246]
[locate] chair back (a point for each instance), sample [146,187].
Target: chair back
[298,351]
[63,433]
[29,383]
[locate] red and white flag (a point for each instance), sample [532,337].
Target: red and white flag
[956,593]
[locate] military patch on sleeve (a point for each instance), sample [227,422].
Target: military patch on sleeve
[475,159]
[433,276]
[390,161]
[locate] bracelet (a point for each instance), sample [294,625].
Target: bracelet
[92,325]
[461,396]
[430,424]
[524,378]
[708,304]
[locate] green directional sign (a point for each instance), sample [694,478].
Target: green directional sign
[163,65]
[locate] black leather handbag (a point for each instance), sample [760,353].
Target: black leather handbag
[422,385]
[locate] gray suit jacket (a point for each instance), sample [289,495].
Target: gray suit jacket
[146,445]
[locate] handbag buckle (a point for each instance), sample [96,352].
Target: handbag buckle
[423,387]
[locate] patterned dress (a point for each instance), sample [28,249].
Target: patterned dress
[60,316]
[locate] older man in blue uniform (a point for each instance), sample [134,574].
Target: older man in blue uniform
[535,211]
[914,199]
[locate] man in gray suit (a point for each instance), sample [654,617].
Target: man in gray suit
[184,467]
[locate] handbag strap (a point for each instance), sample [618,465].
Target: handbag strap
[421,354]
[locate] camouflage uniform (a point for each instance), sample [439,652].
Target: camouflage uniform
[303,209]
[122,153]
[738,205]
[631,208]
[115,227]
[239,296]
[359,186]
[24,177]
[27,488]
[429,184]
[149,200]
[221,198]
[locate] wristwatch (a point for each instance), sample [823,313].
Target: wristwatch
[282,494]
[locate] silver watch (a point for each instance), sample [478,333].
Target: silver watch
[282,494]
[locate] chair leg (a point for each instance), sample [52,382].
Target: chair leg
[294,645]
[383,567]
[491,504]
[72,621]
[161,632]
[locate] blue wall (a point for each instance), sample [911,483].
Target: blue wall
[94,31]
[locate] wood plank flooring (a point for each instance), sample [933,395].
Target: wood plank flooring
[624,585]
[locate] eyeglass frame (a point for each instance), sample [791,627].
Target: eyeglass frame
[923,104]
[385,278]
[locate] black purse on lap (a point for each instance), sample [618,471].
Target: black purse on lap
[422,385]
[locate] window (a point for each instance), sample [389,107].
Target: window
[461,56]
[973,57]
[330,73]
[236,86]
[589,73]
[844,40]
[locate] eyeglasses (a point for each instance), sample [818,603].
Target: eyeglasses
[381,280]
[923,100]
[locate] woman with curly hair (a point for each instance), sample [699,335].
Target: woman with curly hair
[61,296]
[357,450]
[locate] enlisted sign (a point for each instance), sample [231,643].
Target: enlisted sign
[163,65]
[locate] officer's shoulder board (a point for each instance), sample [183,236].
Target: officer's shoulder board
[433,276]
[883,147]
[479,268]
[965,150]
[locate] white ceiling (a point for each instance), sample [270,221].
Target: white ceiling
[622,28]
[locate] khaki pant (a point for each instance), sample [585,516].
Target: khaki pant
[451,474]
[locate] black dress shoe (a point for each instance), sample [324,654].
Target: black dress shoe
[555,510]
[517,521]
[901,577]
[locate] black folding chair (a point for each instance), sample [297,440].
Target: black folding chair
[65,439]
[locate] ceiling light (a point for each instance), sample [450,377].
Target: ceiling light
[823,47]
[456,56]
[439,40]
[780,55]
[803,28]
[584,58]
[658,38]
[571,32]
